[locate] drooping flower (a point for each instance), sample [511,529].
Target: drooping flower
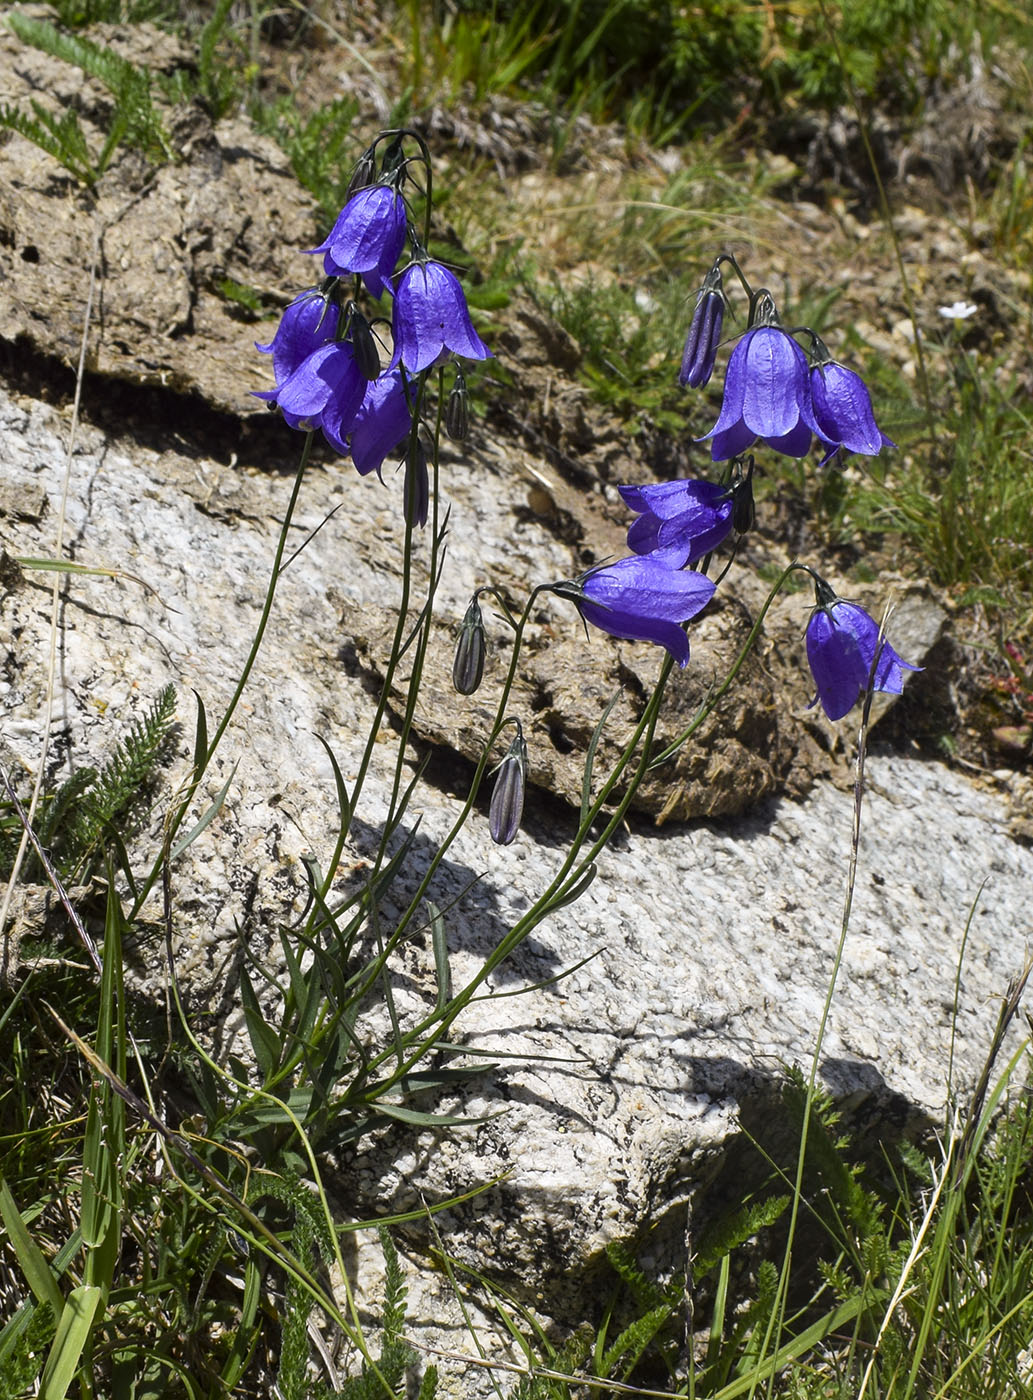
[379,427]
[367,237]
[641,599]
[325,391]
[843,411]
[430,319]
[309,322]
[841,646]
[697,363]
[679,521]
[507,799]
[767,397]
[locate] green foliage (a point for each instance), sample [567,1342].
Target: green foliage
[91,805]
[134,120]
[76,14]
[61,137]
[22,1361]
[695,62]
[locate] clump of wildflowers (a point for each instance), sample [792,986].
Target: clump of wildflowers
[326,361]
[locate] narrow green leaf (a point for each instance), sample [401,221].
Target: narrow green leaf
[73,1331]
[428,1120]
[264,1040]
[37,1271]
[213,811]
[593,744]
[439,943]
[343,800]
[200,736]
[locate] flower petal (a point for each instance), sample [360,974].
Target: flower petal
[775,380]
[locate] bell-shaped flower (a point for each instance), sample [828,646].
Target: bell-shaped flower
[641,599]
[430,319]
[679,521]
[367,237]
[767,396]
[842,640]
[380,426]
[843,411]
[308,323]
[325,391]
[697,361]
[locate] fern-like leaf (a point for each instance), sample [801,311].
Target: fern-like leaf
[734,1230]
[61,137]
[135,119]
[628,1348]
[121,783]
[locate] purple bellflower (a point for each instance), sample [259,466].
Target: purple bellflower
[697,363]
[843,411]
[679,521]
[841,645]
[325,391]
[641,599]
[767,394]
[367,237]
[431,320]
[380,426]
[308,323]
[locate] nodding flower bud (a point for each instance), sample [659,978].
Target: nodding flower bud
[697,361]
[507,801]
[468,666]
[363,175]
[367,356]
[417,483]
[457,410]
[744,512]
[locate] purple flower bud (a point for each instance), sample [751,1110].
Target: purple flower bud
[642,599]
[367,356]
[468,666]
[767,396]
[841,647]
[697,362]
[416,497]
[367,237]
[507,800]
[843,411]
[457,410]
[430,319]
[744,512]
[680,521]
[363,174]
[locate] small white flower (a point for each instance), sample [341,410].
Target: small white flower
[959,310]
